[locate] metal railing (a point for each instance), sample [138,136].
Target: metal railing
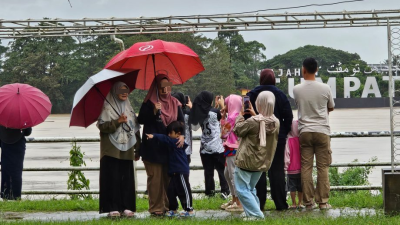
[197,137]
[195,191]
[97,139]
[59,27]
[71,168]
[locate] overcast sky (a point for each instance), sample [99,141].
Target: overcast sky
[369,43]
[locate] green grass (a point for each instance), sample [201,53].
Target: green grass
[357,200]
[378,219]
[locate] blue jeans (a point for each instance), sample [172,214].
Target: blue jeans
[245,183]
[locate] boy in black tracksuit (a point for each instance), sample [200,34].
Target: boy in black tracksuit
[178,170]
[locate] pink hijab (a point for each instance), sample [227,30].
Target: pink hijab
[169,104]
[234,103]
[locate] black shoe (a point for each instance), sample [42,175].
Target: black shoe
[224,196]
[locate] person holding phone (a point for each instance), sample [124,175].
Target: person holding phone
[283,112]
[158,110]
[258,139]
[119,145]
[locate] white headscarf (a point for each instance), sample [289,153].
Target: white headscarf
[121,138]
[265,104]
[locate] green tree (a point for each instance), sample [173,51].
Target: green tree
[3,50]
[218,76]
[246,58]
[41,62]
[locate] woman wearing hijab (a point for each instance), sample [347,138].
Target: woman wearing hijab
[13,146]
[211,148]
[283,112]
[119,142]
[259,137]
[233,106]
[188,128]
[155,154]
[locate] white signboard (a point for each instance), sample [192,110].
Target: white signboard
[351,83]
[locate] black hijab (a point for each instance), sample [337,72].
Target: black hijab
[181,98]
[201,108]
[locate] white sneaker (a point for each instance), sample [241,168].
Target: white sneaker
[234,208]
[252,218]
[226,205]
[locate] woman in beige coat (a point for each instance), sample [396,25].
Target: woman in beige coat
[258,139]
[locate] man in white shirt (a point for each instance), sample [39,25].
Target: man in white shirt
[314,101]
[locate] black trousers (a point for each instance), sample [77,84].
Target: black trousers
[12,164]
[211,162]
[117,185]
[276,175]
[179,186]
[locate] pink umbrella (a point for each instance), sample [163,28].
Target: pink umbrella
[23,106]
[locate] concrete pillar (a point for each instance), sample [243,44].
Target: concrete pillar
[391,191]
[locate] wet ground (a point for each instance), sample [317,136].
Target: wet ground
[209,214]
[56,154]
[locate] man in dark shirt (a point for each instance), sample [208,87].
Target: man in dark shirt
[283,112]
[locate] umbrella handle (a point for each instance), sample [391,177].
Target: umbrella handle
[158,114]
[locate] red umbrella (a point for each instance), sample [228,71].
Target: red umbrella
[23,106]
[89,99]
[179,61]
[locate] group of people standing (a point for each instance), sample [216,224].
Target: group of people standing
[241,144]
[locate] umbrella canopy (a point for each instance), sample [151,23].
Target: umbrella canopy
[23,106]
[179,61]
[89,99]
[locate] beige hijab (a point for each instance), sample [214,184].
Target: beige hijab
[122,139]
[265,104]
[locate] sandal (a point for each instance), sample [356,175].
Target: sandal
[292,207]
[311,207]
[325,206]
[128,213]
[157,214]
[114,214]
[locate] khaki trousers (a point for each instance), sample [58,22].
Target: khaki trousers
[318,144]
[157,185]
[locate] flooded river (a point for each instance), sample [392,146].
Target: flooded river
[56,154]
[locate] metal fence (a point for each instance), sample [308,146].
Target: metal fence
[197,137]
[97,139]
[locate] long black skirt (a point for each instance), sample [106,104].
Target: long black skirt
[12,164]
[117,185]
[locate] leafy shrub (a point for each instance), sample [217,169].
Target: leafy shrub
[77,179]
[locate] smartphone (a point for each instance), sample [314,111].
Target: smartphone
[246,103]
[186,99]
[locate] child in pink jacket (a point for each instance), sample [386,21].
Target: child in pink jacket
[293,166]
[233,107]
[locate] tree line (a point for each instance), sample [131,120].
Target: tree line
[60,65]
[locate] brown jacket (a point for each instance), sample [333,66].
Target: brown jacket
[108,149]
[250,155]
